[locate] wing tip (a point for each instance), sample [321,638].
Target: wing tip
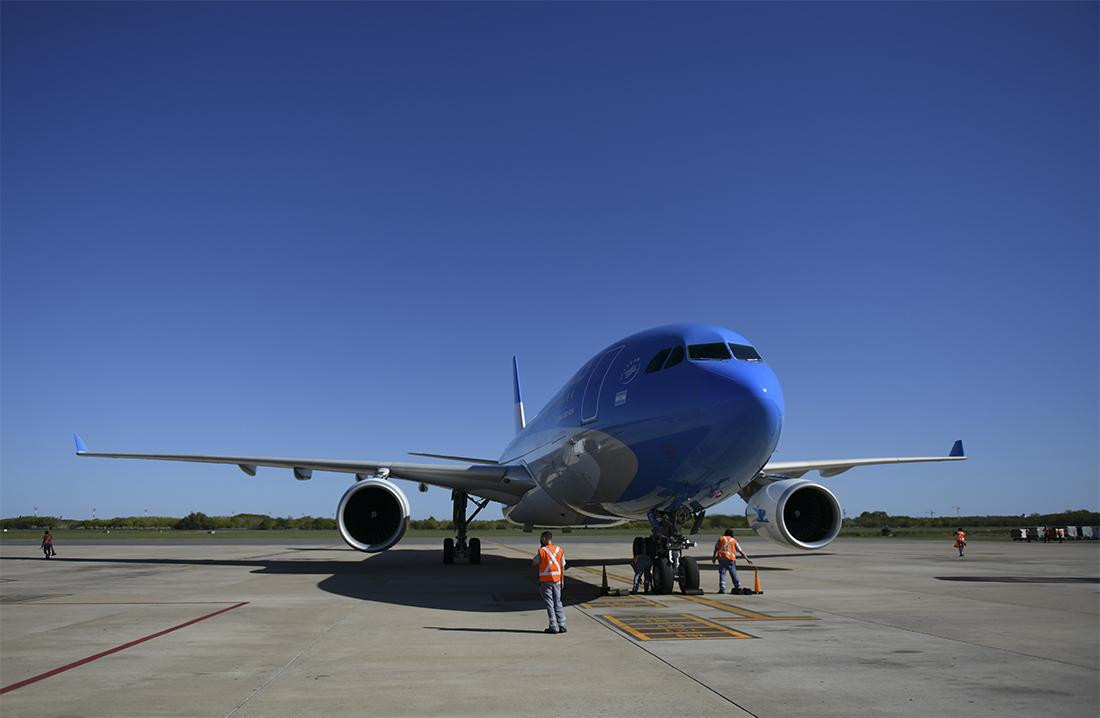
[957,449]
[80,446]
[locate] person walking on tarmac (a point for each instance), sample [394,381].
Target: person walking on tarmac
[551,562]
[641,564]
[960,541]
[47,544]
[725,553]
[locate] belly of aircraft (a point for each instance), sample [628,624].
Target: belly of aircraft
[623,472]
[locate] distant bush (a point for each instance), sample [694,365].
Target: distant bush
[872,521]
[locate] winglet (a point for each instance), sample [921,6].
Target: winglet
[80,447]
[517,395]
[957,449]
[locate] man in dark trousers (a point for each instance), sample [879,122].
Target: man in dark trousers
[47,544]
[550,560]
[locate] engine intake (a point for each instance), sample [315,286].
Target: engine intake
[373,515]
[796,512]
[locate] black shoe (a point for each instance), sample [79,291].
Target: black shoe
[721,590]
[550,630]
[562,630]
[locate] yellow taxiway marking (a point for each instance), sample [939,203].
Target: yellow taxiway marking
[742,614]
[599,572]
[630,601]
[672,627]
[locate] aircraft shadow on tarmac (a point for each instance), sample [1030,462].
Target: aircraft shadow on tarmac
[415,577]
[404,577]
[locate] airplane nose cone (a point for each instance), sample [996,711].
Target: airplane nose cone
[750,399]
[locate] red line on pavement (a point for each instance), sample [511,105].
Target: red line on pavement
[116,649]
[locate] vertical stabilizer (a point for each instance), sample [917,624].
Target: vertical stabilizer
[521,420]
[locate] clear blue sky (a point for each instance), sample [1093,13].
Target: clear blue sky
[323,230]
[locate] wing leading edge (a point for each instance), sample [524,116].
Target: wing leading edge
[827,468]
[499,482]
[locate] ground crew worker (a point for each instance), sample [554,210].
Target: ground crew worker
[641,564]
[725,553]
[960,541]
[47,544]
[551,562]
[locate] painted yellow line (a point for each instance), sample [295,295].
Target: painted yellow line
[743,614]
[674,627]
[599,572]
[631,601]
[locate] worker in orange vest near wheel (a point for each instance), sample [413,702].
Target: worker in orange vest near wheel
[725,553]
[551,562]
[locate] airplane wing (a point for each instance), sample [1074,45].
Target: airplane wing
[499,482]
[795,469]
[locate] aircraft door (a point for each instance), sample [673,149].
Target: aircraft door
[590,403]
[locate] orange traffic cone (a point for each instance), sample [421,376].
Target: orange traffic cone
[756,581]
[604,588]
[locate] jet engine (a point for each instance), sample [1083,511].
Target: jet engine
[796,512]
[373,515]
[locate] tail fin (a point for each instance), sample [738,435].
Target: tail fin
[521,420]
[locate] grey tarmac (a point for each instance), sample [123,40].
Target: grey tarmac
[878,627]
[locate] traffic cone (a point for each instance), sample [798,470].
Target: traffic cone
[756,588]
[604,588]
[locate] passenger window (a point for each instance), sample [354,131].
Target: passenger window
[658,361]
[745,352]
[702,352]
[676,357]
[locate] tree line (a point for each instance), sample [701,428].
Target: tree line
[198,521]
[880,519]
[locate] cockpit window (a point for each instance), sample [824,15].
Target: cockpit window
[676,357]
[745,352]
[658,361]
[702,352]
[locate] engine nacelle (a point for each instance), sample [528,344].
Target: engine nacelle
[796,512]
[373,515]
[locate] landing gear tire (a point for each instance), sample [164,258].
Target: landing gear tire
[448,551]
[639,546]
[650,546]
[662,576]
[475,550]
[689,574]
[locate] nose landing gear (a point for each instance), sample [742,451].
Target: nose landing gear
[459,545]
[666,546]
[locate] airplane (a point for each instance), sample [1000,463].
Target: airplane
[659,426]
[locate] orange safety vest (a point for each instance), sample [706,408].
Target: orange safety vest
[727,547]
[551,561]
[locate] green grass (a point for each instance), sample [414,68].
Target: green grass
[985,533]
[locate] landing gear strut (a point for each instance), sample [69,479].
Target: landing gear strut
[666,546]
[459,546]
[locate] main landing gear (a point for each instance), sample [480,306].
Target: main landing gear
[459,546]
[665,548]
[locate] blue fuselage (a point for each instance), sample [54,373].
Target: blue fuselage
[640,428]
